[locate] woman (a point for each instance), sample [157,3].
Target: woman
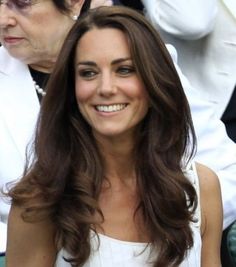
[112,183]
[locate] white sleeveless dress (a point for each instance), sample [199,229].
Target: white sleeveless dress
[116,253]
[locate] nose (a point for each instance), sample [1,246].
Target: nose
[7,17]
[106,85]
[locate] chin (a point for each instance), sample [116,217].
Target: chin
[23,54]
[112,133]
[19,55]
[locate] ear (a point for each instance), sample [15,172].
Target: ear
[76,6]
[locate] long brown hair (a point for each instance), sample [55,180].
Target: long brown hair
[64,180]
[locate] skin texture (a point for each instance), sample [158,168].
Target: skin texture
[35,35]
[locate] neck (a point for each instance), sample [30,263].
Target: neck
[119,162]
[45,67]
[118,153]
[119,166]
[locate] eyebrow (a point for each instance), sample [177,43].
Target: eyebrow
[93,64]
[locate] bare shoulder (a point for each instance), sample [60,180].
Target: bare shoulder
[210,192]
[211,216]
[207,177]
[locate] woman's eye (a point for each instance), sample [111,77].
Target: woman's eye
[126,70]
[87,73]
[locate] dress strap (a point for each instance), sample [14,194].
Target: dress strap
[191,173]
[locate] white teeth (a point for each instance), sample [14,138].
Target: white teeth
[111,108]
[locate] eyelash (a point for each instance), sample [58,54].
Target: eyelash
[20,4]
[23,3]
[126,70]
[88,74]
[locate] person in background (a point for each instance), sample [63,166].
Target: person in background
[112,182]
[204,34]
[200,31]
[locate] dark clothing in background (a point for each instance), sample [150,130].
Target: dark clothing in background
[135,4]
[229,117]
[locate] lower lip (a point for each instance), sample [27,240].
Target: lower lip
[12,40]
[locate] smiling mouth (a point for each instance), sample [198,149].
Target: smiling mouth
[111,108]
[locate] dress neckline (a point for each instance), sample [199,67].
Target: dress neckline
[115,240]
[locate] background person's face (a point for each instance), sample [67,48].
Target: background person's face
[35,34]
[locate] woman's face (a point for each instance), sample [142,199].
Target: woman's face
[33,34]
[109,93]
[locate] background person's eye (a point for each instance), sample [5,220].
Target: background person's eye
[21,4]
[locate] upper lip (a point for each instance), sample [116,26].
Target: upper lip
[11,37]
[110,104]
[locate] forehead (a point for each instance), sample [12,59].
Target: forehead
[103,42]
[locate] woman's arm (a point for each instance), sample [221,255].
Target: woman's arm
[212,216]
[29,244]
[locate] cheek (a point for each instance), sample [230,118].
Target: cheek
[142,98]
[143,106]
[83,91]
[135,89]
[47,27]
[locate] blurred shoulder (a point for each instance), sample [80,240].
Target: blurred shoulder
[210,199]
[207,177]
